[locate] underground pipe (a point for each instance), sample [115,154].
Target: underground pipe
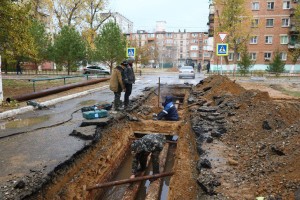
[55,90]
[130,180]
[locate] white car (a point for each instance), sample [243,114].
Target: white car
[95,69]
[186,71]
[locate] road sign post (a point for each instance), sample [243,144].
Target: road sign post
[130,52]
[1,90]
[222,50]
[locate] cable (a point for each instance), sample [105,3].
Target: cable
[53,125]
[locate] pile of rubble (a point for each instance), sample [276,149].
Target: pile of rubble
[248,143]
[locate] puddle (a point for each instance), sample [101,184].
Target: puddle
[20,123]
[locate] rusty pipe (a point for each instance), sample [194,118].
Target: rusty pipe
[55,90]
[131,180]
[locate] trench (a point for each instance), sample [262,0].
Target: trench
[109,159]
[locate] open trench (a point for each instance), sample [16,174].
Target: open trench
[108,157]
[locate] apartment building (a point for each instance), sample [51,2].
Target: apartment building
[174,48]
[125,24]
[272,29]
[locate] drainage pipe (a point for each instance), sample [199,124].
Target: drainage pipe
[55,90]
[154,189]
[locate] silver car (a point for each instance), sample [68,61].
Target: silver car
[187,71]
[95,69]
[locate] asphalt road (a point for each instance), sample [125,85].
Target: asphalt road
[41,139]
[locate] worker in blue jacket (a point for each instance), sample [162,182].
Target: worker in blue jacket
[169,112]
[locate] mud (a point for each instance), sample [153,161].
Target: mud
[233,143]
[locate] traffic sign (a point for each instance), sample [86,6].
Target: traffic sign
[222,49]
[130,52]
[222,36]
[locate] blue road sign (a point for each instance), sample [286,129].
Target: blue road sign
[130,52]
[222,49]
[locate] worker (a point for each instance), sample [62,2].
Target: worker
[117,85]
[129,79]
[169,112]
[142,147]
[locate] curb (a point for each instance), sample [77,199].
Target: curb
[11,113]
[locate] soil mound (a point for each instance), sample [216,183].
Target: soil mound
[262,137]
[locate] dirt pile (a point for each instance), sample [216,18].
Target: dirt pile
[255,139]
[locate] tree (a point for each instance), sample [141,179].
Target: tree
[294,54]
[41,43]
[235,20]
[68,48]
[15,38]
[277,65]
[245,63]
[110,45]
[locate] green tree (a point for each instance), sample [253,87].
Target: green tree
[15,38]
[68,48]
[277,65]
[294,54]
[110,45]
[245,63]
[41,43]
[234,19]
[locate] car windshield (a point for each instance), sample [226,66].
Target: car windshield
[187,67]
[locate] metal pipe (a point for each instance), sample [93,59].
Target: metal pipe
[54,90]
[158,98]
[130,180]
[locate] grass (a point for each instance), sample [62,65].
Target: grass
[290,93]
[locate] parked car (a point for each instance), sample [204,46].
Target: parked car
[186,71]
[95,69]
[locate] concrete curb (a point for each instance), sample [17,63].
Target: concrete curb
[11,113]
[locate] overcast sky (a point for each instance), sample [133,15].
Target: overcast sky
[191,15]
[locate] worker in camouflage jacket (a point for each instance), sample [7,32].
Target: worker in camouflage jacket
[142,147]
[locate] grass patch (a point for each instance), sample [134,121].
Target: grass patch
[290,93]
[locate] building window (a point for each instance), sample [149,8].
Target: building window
[269,39]
[283,55]
[194,48]
[195,34]
[286,4]
[230,56]
[255,5]
[253,56]
[206,54]
[205,41]
[270,23]
[238,57]
[284,39]
[254,23]
[254,40]
[181,56]
[285,22]
[194,55]
[267,56]
[270,5]
[169,35]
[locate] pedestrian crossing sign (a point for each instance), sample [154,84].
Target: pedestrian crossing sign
[222,49]
[130,52]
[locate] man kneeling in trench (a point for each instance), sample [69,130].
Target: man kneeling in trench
[142,147]
[169,112]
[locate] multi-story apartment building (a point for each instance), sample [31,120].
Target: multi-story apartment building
[174,48]
[125,24]
[272,29]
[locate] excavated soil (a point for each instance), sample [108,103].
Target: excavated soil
[233,143]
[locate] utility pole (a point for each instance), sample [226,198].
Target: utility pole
[1,90]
